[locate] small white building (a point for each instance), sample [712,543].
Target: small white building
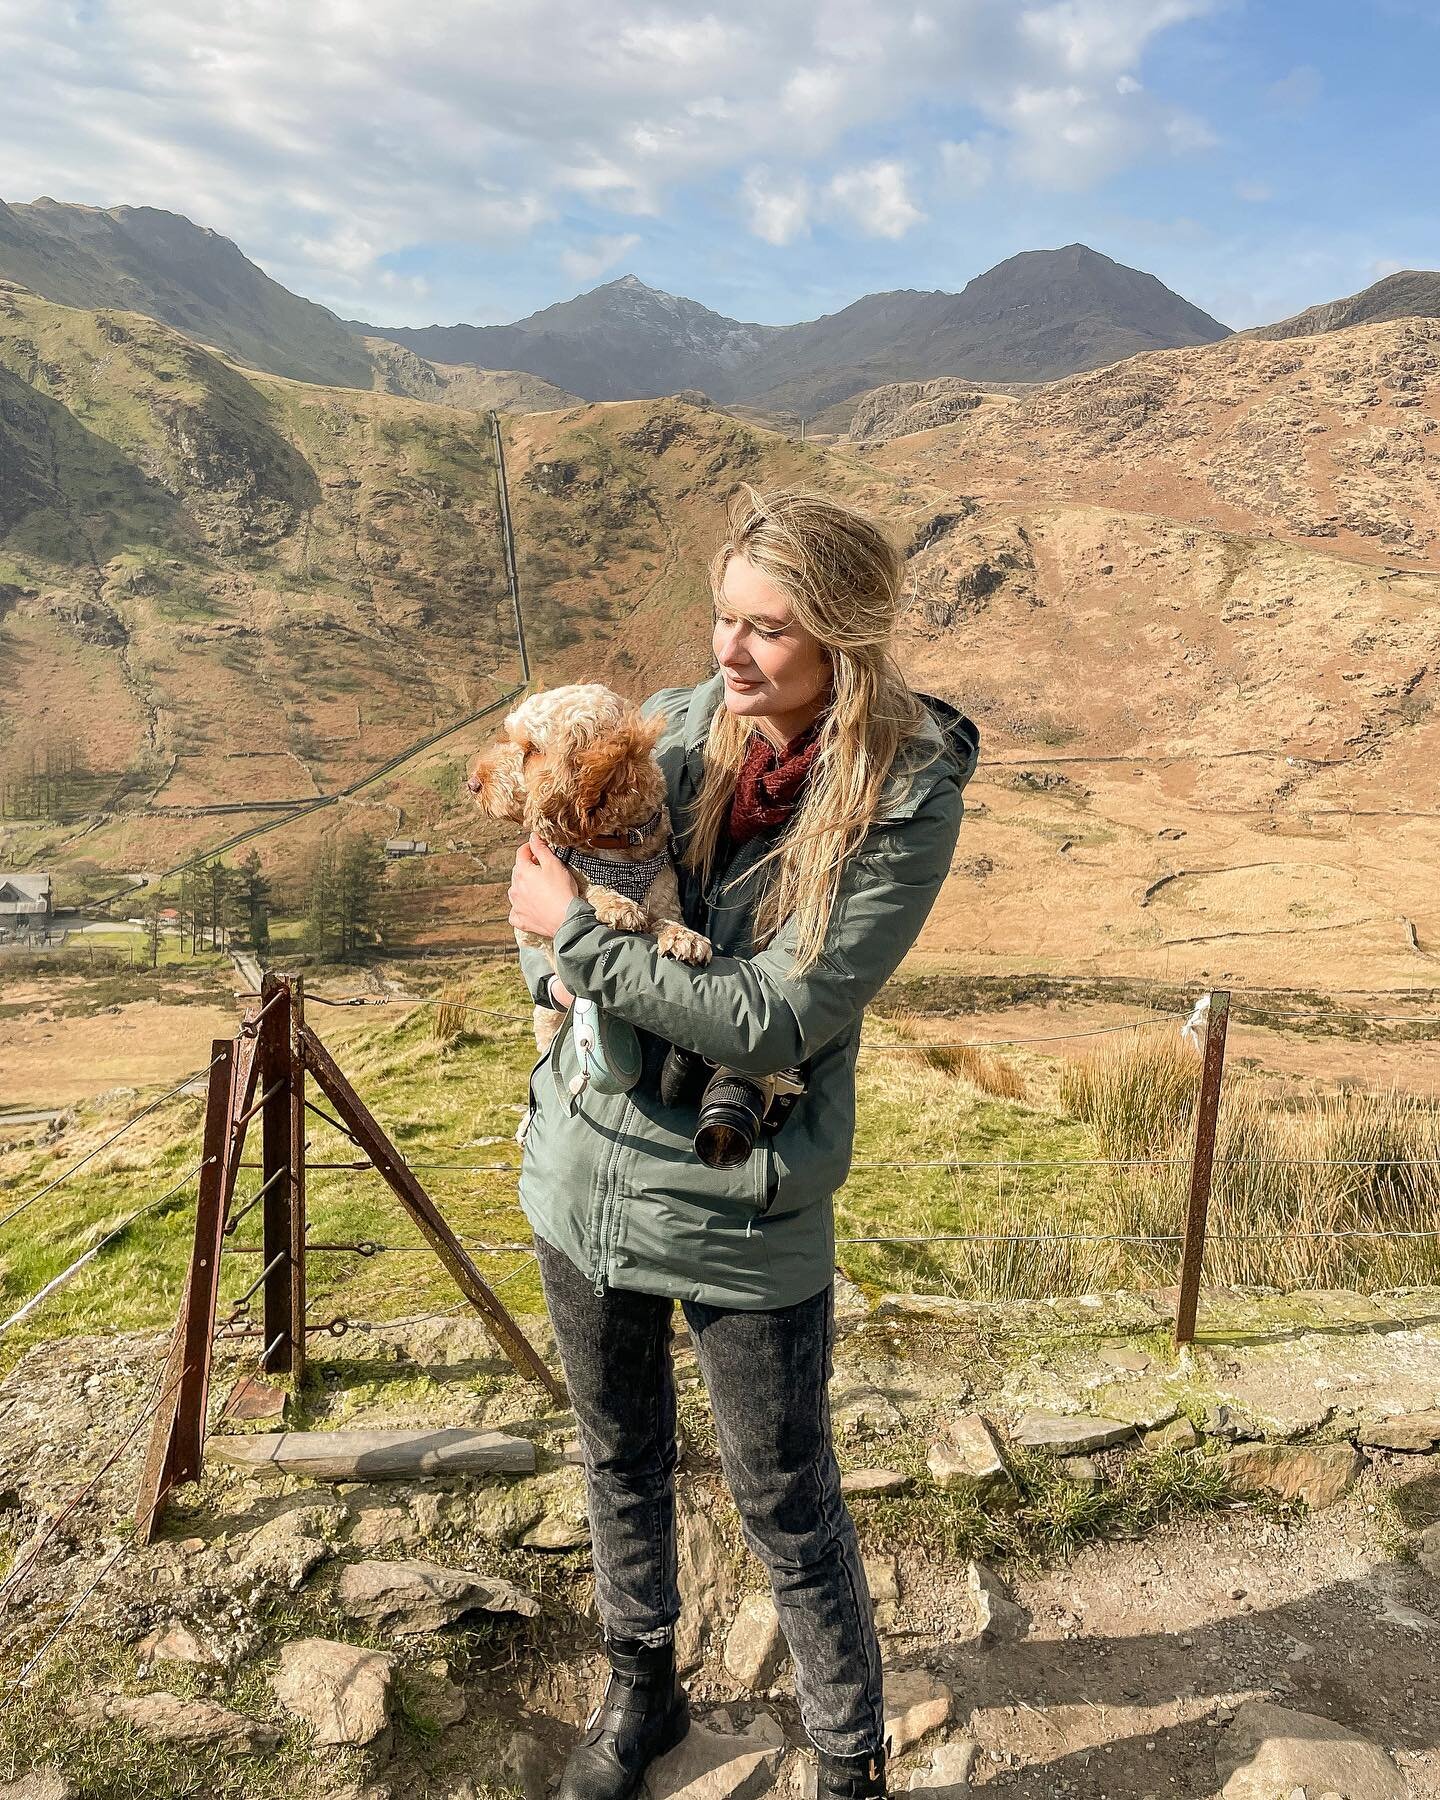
[395,847]
[26,901]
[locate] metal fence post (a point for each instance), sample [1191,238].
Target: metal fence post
[295,1128]
[1202,1163]
[276,1080]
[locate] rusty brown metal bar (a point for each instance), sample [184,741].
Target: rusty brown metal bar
[1207,1108]
[173,1452]
[295,1156]
[275,1074]
[422,1210]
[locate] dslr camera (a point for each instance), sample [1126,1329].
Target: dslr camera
[733,1107]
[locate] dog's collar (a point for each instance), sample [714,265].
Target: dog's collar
[630,838]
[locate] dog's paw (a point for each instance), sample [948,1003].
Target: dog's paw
[616,911]
[684,945]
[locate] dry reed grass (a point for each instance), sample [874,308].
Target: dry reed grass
[982,1068]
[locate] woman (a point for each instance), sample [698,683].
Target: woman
[816,804]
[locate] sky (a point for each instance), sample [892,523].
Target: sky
[418,162]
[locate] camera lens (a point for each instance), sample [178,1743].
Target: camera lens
[731,1109]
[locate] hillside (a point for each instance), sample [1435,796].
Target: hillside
[1409,293]
[397,370]
[141,260]
[1192,601]
[219,586]
[1209,729]
[1195,597]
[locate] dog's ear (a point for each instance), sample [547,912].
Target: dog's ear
[615,762]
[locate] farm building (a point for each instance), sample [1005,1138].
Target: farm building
[25,901]
[395,847]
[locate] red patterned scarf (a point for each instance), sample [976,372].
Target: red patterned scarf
[770,781]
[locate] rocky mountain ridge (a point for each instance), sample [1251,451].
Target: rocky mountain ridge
[1034,316]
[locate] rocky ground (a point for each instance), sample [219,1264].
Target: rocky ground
[1100,1568]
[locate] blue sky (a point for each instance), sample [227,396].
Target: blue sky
[426,161]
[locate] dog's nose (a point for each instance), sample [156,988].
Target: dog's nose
[474,784]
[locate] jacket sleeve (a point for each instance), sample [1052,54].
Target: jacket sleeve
[535,967]
[747,1013]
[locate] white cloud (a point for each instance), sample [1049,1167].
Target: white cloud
[874,195]
[328,138]
[1254,193]
[968,165]
[589,261]
[777,211]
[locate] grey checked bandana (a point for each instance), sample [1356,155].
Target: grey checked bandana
[632,879]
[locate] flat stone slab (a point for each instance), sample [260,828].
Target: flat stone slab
[1318,1474]
[874,1481]
[1271,1751]
[407,1598]
[1408,1431]
[1355,1367]
[378,1455]
[1068,1434]
[171,1719]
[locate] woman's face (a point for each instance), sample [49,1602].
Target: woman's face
[773,667]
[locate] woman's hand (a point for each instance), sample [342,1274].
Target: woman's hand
[541,888]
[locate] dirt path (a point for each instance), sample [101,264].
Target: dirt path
[1139,1652]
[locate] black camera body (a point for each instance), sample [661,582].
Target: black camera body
[733,1108]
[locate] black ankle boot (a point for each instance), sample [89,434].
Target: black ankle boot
[643,1714]
[852,1777]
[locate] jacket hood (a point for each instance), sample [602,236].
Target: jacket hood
[961,734]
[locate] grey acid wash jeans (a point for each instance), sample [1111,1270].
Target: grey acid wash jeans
[767,1375]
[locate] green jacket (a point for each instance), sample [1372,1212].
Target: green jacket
[616,1184]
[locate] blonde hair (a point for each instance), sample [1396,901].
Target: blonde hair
[843,578]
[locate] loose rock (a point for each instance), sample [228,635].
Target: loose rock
[873,1481]
[1066,1434]
[966,1458]
[755,1647]
[284,1550]
[1270,1751]
[1318,1474]
[410,1597]
[1179,1434]
[916,1703]
[706,1584]
[40,1784]
[882,1573]
[527,1762]
[1083,1470]
[1413,1431]
[999,1616]
[719,1765]
[168,1719]
[343,1691]
[176,1643]
[947,1774]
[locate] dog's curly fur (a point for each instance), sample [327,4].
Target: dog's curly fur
[576,764]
